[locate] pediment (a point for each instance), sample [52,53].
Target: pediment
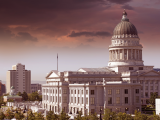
[52,74]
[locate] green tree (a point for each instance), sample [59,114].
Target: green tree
[93,116]
[9,114]
[86,117]
[108,115]
[124,116]
[154,117]
[79,116]
[24,96]
[31,116]
[10,100]
[152,98]
[2,116]
[19,116]
[39,116]
[51,116]
[63,116]
[19,94]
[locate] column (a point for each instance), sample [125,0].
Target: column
[118,54]
[149,89]
[138,55]
[127,54]
[58,99]
[84,100]
[154,86]
[135,54]
[144,89]
[122,54]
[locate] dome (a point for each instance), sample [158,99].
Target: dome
[125,27]
[12,87]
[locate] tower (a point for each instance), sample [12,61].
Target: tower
[125,48]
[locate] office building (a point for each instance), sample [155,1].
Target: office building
[19,78]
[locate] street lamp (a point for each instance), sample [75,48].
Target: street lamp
[100,114]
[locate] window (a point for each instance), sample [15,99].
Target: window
[92,101]
[78,100]
[86,100]
[56,91]
[151,87]
[75,100]
[59,91]
[71,99]
[126,100]
[146,87]
[92,92]
[140,68]
[92,111]
[86,91]
[118,100]
[56,98]
[75,91]
[141,87]
[156,88]
[53,98]
[137,99]
[109,92]
[64,99]
[71,91]
[117,91]
[59,99]
[82,100]
[130,68]
[146,94]
[141,82]
[151,82]
[125,91]
[137,91]
[146,82]
[109,100]
[64,91]
[78,91]
[82,91]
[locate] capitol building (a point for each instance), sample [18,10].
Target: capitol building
[123,86]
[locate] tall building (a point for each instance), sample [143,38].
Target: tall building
[2,88]
[123,86]
[19,78]
[35,87]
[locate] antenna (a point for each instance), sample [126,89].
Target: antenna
[57,61]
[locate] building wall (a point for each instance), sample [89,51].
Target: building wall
[36,87]
[19,78]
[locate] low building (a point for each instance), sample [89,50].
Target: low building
[12,96]
[35,87]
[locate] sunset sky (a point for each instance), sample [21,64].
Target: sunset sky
[32,32]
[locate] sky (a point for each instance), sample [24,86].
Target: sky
[80,31]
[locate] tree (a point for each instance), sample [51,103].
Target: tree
[19,116]
[9,114]
[124,116]
[152,98]
[2,116]
[154,117]
[19,94]
[108,115]
[51,116]
[39,116]
[24,96]
[63,116]
[79,116]
[31,116]
[10,100]
[93,116]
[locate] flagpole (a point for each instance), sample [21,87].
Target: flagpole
[57,61]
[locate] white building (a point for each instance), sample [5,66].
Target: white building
[19,78]
[123,85]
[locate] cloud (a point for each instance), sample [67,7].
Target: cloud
[90,40]
[7,35]
[119,1]
[126,6]
[88,34]
[25,36]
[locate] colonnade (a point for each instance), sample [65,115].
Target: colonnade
[125,54]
